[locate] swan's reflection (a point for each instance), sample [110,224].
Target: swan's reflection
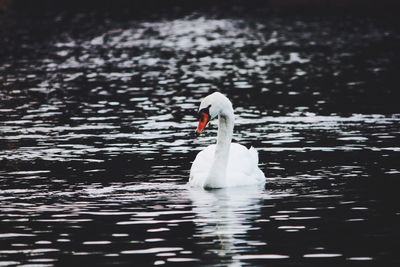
[224,217]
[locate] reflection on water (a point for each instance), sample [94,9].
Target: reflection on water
[224,217]
[97,144]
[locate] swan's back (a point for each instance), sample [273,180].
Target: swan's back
[242,167]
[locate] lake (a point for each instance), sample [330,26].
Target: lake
[97,120]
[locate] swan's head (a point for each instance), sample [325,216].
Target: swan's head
[210,107]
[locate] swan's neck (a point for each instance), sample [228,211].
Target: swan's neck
[217,175]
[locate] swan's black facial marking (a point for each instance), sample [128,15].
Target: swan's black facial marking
[204,110]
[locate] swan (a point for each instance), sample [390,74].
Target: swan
[224,164]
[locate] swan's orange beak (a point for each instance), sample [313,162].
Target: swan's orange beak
[204,119]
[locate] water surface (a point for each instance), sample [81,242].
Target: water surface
[97,142]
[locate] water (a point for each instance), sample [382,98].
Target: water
[97,125]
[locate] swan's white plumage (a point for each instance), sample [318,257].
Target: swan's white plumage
[242,168]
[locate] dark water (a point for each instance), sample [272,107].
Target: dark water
[96,142]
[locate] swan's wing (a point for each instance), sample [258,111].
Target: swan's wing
[243,165]
[242,159]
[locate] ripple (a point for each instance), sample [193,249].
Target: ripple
[359,258]
[156,230]
[261,256]
[151,250]
[10,235]
[97,242]
[182,259]
[322,255]
[9,263]
[32,251]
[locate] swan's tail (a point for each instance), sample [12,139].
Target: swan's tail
[254,154]
[260,175]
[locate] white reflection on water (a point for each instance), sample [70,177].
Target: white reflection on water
[225,216]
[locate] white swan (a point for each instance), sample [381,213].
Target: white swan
[225,164]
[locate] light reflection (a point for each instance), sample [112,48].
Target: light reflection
[225,216]
[322,255]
